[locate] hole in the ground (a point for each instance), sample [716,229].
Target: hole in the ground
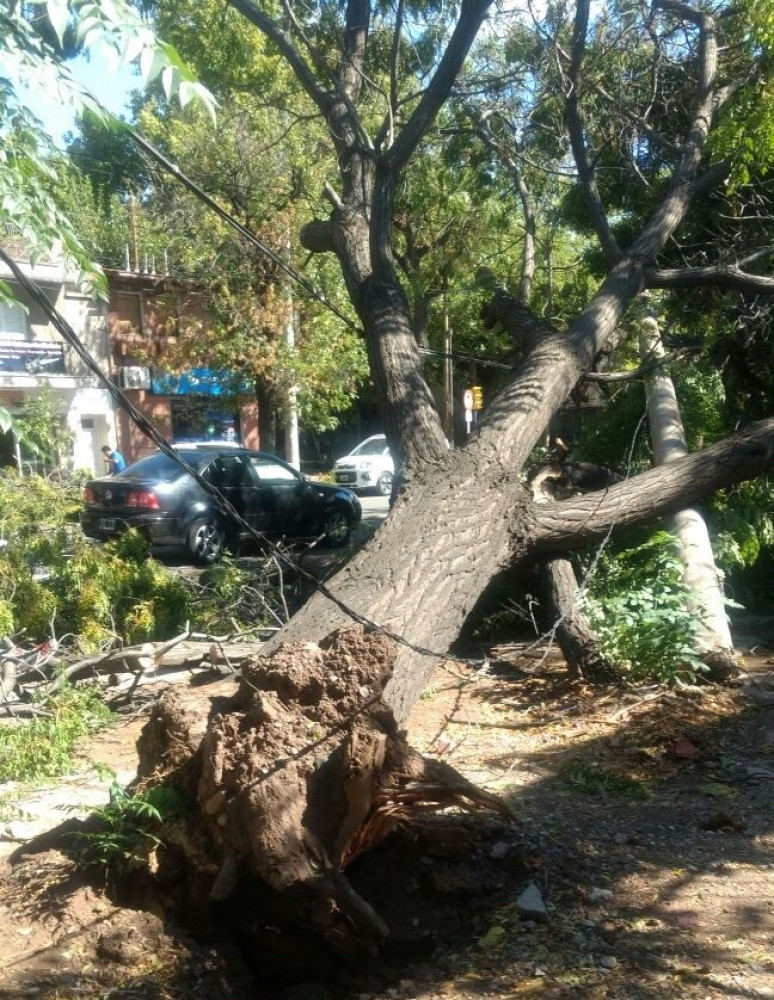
[434,884]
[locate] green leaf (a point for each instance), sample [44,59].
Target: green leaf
[173,57]
[134,48]
[186,93]
[58,15]
[717,790]
[152,62]
[168,81]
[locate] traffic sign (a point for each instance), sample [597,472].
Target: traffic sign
[467,399]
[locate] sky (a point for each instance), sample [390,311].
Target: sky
[110,85]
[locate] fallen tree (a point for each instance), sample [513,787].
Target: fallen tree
[305,765]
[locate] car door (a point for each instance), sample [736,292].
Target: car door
[233,476]
[284,492]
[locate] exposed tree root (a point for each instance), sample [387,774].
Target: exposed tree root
[295,775]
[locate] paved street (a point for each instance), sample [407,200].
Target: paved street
[375,509]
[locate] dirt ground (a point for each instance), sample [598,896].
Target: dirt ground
[645,822]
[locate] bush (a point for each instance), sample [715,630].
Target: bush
[637,604]
[53,581]
[129,828]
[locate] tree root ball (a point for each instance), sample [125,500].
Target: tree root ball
[296,773]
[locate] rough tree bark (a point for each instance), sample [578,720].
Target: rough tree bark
[305,765]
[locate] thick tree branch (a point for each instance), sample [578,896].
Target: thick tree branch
[353,53]
[574,523]
[577,133]
[314,52]
[392,107]
[346,87]
[472,14]
[713,277]
[706,97]
[350,81]
[321,97]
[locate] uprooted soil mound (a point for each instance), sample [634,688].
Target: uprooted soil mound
[435,885]
[299,772]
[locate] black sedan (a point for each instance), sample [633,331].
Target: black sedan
[158,497]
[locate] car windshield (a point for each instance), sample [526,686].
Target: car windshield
[163,469]
[373,447]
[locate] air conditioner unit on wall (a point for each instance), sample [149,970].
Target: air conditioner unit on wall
[134,377]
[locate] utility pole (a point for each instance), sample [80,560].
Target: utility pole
[448,370]
[133,226]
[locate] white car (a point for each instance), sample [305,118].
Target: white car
[367,467]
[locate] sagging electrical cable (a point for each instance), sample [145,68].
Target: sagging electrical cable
[147,428]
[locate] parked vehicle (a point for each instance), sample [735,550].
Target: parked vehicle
[367,467]
[157,496]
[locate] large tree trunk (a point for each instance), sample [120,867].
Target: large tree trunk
[305,766]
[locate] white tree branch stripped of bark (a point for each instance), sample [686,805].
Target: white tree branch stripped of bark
[700,574]
[717,276]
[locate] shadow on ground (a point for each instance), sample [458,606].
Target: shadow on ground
[645,820]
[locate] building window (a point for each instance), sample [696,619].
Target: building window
[13,321]
[125,314]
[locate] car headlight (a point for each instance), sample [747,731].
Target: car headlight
[365,464]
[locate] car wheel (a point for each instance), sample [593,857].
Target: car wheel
[336,529]
[384,484]
[206,540]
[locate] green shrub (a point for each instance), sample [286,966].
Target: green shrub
[129,827]
[55,581]
[637,604]
[742,522]
[43,748]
